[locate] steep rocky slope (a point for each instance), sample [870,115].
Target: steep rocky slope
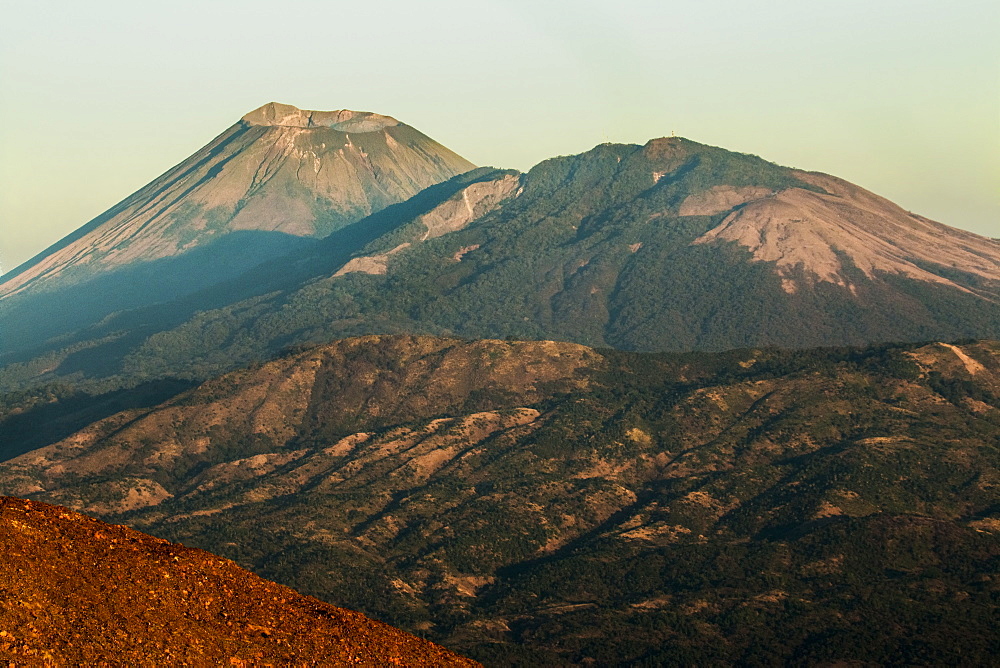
[668,246]
[275,180]
[77,591]
[279,169]
[542,502]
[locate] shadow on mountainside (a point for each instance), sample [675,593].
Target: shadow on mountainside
[54,420]
[106,317]
[33,317]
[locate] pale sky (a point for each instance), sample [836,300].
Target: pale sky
[902,97]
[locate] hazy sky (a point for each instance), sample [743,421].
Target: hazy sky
[97,98]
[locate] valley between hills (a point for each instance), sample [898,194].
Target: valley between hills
[647,405]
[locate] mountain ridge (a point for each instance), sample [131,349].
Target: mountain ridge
[762,225]
[671,245]
[477,491]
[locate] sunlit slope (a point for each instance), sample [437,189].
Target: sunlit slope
[277,179]
[673,245]
[547,502]
[78,591]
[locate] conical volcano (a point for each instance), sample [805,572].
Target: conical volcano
[275,181]
[278,175]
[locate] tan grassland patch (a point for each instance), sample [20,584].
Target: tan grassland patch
[701,498]
[658,532]
[463,251]
[718,199]
[827,566]
[468,585]
[370,264]
[986,525]
[827,509]
[347,444]
[775,596]
[884,440]
[637,435]
[603,468]
[656,603]
[694,607]
[971,365]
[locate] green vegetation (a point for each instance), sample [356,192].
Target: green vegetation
[31,419]
[592,250]
[542,503]
[530,502]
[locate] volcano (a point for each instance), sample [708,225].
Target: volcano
[279,170]
[277,180]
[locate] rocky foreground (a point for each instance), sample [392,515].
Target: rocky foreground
[77,591]
[543,503]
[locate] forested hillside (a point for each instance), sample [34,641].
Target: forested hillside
[528,503]
[670,246]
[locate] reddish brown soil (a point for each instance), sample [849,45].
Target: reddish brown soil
[77,591]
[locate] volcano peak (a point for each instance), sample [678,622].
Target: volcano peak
[275,114]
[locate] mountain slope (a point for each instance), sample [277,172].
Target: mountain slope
[277,178]
[544,502]
[81,592]
[823,235]
[669,246]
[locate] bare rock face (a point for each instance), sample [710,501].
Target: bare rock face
[274,114]
[77,591]
[470,203]
[816,231]
[279,171]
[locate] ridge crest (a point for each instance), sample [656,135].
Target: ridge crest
[275,114]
